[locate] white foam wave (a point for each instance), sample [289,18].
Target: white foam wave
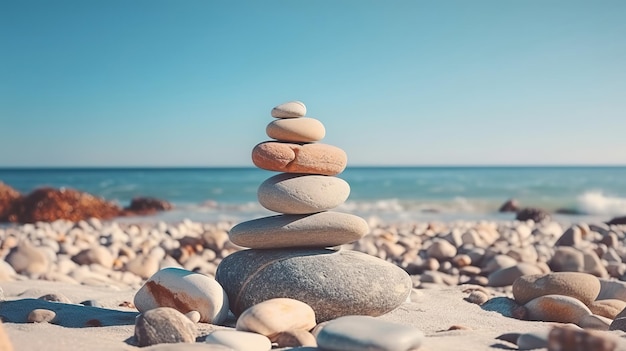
[598,203]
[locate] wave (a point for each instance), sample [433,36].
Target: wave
[598,203]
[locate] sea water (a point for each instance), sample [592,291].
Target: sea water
[392,193]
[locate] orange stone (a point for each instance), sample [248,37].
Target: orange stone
[315,158]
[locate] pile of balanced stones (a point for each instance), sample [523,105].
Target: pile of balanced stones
[295,285]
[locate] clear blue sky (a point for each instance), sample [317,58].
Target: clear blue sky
[192,83]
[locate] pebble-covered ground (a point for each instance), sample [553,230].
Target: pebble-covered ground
[483,259]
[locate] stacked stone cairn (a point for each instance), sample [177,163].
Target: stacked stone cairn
[297,254]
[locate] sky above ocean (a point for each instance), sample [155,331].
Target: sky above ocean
[192,83]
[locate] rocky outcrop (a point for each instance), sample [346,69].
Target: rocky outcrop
[8,198]
[536,214]
[510,205]
[47,205]
[146,206]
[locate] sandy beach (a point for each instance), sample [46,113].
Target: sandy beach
[107,262]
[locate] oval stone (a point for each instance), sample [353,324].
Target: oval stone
[278,315]
[163,325]
[298,130]
[239,340]
[291,109]
[322,229]
[507,276]
[184,291]
[556,308]
[302,194]
[315,158]
[367,333]
[582,286]
[333,283]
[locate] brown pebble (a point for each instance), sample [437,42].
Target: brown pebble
[477,297]
[294,338]
[93,323]
[570,339]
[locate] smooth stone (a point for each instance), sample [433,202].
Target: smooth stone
[55,297]
[323,229]
[506,276]
[40,315]
[291,109]
[97,254]
[609,308]
[291,193]
[596,322]
[441,249]
[296,130]
[143,266]
[185,291]
[294,338]
[498,262]
[239,340]
[315,158]
[187,347]
[593,264]
[193,316]
[333,283]
[92,303]
[567,338]
[571,237]
[164,325]
[356,333]
[612,289]
[273,316]
[556,308]
[567,259]
[533,340]
[27,259]
[477,297]
[582,286]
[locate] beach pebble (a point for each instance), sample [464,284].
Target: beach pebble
[294,338]
[595,322]
[55,297]
[567,259]
[612,289]
[291,109]
[498,262]
[314,158]
[143,266]
[297,130]
[533,340]
[323,229]
[441,250]
[609,308]
[163,325]
[27,259]
[92,303]
[477,297]
[367,333]
[582,286]
[41,315]
[302,194]
[239,340]
[185,291]
[593,264]
[566,338]
[193,316]
[506,276]
[572,237]
[94,255]
[273,316]
[333,283]
[556,308]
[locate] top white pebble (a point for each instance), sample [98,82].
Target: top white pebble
[291,109]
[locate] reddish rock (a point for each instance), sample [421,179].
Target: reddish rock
[510,206]
[47,205]
[8,198]
[146,205]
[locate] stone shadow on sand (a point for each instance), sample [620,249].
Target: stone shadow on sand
[67,315]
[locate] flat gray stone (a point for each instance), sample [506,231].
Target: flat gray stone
[333,283]
[164,325]
[323,229]
[293,193]
[357,333]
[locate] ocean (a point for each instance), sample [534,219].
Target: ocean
[391,193]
